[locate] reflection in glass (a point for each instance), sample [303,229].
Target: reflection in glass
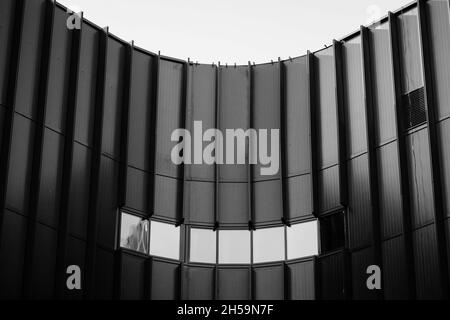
[203,246]
[268,245]
[164,240]
[234,247]
[134,233]
[302,240]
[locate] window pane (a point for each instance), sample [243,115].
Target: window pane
[203,246]
[302,240]
[268,245]
[134,233]
[332,235]
[234,247]
[164,240]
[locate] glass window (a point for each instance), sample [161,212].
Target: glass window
[302,240]
[268,245]
[332,235]
[164,240]
[203,246]
[234,247]
[134,233]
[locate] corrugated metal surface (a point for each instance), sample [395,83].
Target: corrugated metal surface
[444,133]
[299,197]
[198,283]
[302,282]
[132,272]
[440,29]
[233,283]
[268,283]
[331,268]
[395,278]
[268,201]
[361,260]
[6,24]
[329,189]
[165,280]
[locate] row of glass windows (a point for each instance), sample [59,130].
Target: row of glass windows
[224,246]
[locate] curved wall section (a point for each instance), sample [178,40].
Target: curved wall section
[86,124]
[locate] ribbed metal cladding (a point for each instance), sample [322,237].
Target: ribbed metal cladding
[86,122]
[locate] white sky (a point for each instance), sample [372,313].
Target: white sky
[232,31]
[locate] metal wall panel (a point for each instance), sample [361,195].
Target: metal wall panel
[427,263]
[199,204]
[408,28]
[113,98]
[329,195]
[19,178]
[233,204]
[75,256]
[439,26]
[354,98]
[268,283]
[137,190]
[395,279]
[86,86]
[59,71]
[141,98]
[198,283]
[268,202]
[51,175]
[391,207]
[165,280]
[383,88]
[6,25]
[233,283]
[419,167]
[361,260]
[299,197]
[79,191]
[104,274]
[132,277]
[331,268]
[302,282]
[166,196]
[12,252]
[168,116]
[444,134]
[359,210]
[30,58]
[201,106]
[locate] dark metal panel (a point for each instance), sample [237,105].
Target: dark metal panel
[233,204]
[199,203]
[266,107]
[234,113]
[329,189]
[201,105]
[168,116]
[113,98]
[297,118]
[233,283]
[78,207]
[137,190]
[58,72]
[426,257]
[141,98]
[103,274]
[409,45]
[12,251]
[395,279]
[268,283]
[19,175]
[198,283]
[268,202]
[299,197]
[166,197]
[421,185]
[360,262]
[390,191]
[444,134]
[439,31]
[107,202]
[50,179]
[7,8]
[26,94]
[327,130]
[44,263]
[331,268]
[382,78]
[359,211]
[132,277]
[165,280]
[87,82]
[355,116]
[75,256]
[301,280]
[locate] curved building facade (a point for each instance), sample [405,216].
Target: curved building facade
[87,176]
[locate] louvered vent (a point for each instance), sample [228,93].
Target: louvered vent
[414,109]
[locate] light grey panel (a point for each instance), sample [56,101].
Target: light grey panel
[268,203]
[199,202]
[233,204]
[166,197]
[269,283]
[302,281]
[299,196]
[233,284]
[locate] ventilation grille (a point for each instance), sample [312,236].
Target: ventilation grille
[414,109]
